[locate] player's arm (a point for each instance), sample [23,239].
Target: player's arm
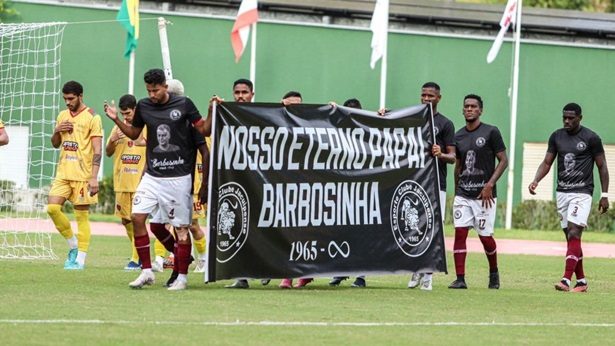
[4,137]
[112,142]
[130,131]
[209,120]
[542,171]
[205,181]
[93,182]
[603,171]
[457,172]
[487,192]
[448,156]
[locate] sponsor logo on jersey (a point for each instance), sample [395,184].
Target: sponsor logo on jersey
[232,220]
[70,146]
[199,167]
[175,114]
[412,219]
[480,142]
[581,146]
[128,159]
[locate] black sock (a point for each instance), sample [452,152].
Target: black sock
[461,277]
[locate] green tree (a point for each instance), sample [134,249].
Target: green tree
[7,11]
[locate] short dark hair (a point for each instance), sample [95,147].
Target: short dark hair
[474,97]
[72,87]
[244,81]
[292,94]
[353,103]
[154,76]
[431,85]
[573,107]
[128,102]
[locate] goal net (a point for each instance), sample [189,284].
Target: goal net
[29,103]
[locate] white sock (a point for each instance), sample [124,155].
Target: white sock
[426,277]
[147,270]
[182,278]
[583,281]
[72,242]
[81,257]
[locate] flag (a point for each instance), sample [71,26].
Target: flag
[509,17]
[247,15]
[380,28]
[128,16]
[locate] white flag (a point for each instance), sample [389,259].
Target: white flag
[247,15]
[509,17]
[380,28]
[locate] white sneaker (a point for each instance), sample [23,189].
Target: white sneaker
[146,278]
[200,266]
[415,281]
[178,285]
[426,284]
[157,267]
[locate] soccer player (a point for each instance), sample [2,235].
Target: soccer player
[444,150]
[475,194]
[4,137]
[577,149]
[359,282]
[128,165]
[293,98]
[165,189]
[78,134]
[176,87]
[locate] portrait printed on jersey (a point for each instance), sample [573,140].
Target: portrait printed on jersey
[163,133]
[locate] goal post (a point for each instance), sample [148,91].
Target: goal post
[29,102]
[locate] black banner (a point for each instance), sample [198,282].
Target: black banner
[319,190]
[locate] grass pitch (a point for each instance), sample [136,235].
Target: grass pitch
[44,305]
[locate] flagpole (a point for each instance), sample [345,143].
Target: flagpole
[164,48]
[513,119]
[131,73]
[383,75]
[253,61]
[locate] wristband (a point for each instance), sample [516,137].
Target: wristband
[604,195]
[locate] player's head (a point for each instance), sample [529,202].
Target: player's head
[175,87]
[128,104]
[292,98]
[243,90]
[572,115]
[163,133]
[472,107]
[470,159]
[353,103]
[73,95]
[430,93]
[569,162]
[156,85]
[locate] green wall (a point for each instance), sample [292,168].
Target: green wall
[333,64]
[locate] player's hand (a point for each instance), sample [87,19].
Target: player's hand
[215,99]
[486,195]
[65,126]
[93,184]
[532,187]
[382,112]
[110,110]
[436,151]
[603,205]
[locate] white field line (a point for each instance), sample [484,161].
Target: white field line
[308,323]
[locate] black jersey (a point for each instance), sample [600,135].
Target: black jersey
[445,136]
[477,152]
[171,146]
[575,159]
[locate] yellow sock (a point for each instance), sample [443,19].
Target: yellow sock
[130,231]
[200,245]
[159,249]
[83,225]
[60,220]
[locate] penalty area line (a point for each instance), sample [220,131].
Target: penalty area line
[306,323]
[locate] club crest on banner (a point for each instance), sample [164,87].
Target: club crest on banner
[232,220]
[412,218]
